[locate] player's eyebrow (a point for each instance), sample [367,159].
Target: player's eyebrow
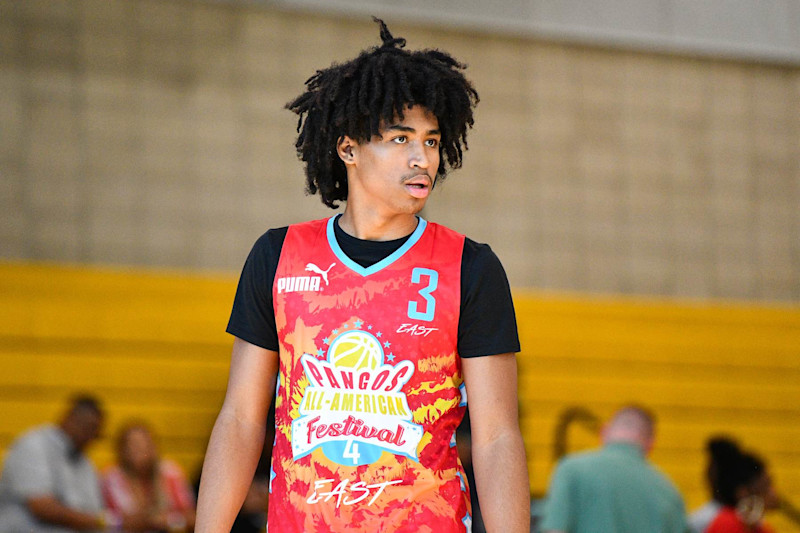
[408,129]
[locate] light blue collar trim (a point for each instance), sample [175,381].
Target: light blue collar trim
[380,265]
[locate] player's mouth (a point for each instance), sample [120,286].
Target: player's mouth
[418,186]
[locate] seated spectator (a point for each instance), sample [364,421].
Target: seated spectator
[464,444]
[143,483]
[720,449]
[49,484]
[615,488]
[745,492]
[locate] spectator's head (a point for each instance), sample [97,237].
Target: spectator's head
[83,421]
[136,449]
[744,482]
[631,424]
[721,451]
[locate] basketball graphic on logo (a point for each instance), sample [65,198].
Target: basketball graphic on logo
[356,350]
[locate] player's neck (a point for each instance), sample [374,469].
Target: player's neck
[370,226]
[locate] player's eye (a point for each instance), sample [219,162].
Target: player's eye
[433,143]
[401,139]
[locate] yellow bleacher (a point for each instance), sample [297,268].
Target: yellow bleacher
[152,345]
[704,369]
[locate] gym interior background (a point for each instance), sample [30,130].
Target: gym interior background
[639,177]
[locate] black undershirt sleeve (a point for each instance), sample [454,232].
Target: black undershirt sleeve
[487,325]
[253,317]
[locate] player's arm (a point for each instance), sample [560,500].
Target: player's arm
[498,454]
[237,438]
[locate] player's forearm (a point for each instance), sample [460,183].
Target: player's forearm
[501,476]
[228,469]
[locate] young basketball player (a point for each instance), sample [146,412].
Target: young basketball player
[372,329]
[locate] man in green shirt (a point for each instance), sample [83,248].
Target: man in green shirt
[615,489]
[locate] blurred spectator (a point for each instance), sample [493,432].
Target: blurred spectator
[48,484]
[745,491]
[615,488]
[143,483]
[720,451]
[464,443]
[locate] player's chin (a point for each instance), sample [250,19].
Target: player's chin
[415,205]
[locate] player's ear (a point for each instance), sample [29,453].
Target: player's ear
[345,148]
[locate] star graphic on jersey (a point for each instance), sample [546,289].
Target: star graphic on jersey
[387,344]
[335,331]
[357,324]
[320,353]
[390,357]
[369,327]
[326,340]
[378,334]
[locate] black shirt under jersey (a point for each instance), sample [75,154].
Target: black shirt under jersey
[487,324]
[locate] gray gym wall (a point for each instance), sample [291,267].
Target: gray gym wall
[655,154]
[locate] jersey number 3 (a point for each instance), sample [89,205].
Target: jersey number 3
[430,302]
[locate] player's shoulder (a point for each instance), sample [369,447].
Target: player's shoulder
[268,245]
[442,229]
[475,253]
[311,224]
[272,237]
[479,257]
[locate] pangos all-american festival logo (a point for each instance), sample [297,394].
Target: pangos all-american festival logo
[353,407]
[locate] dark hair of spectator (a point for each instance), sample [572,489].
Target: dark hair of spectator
[356,98]
[85,402]
[720,450]
[734,469]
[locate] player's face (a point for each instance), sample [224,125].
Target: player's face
[394,172]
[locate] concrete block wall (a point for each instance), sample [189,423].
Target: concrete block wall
[152,132]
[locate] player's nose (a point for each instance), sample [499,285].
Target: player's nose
[419,157]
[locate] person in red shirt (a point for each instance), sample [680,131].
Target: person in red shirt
[143,483]
[745,490]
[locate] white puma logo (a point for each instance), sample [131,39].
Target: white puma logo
[311,267]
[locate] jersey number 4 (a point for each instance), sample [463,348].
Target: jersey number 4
[429,304]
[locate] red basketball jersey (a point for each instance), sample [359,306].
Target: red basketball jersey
[370,390]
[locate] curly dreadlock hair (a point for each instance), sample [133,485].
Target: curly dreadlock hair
[356,97]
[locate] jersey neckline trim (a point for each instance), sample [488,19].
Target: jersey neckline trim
[383,263]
